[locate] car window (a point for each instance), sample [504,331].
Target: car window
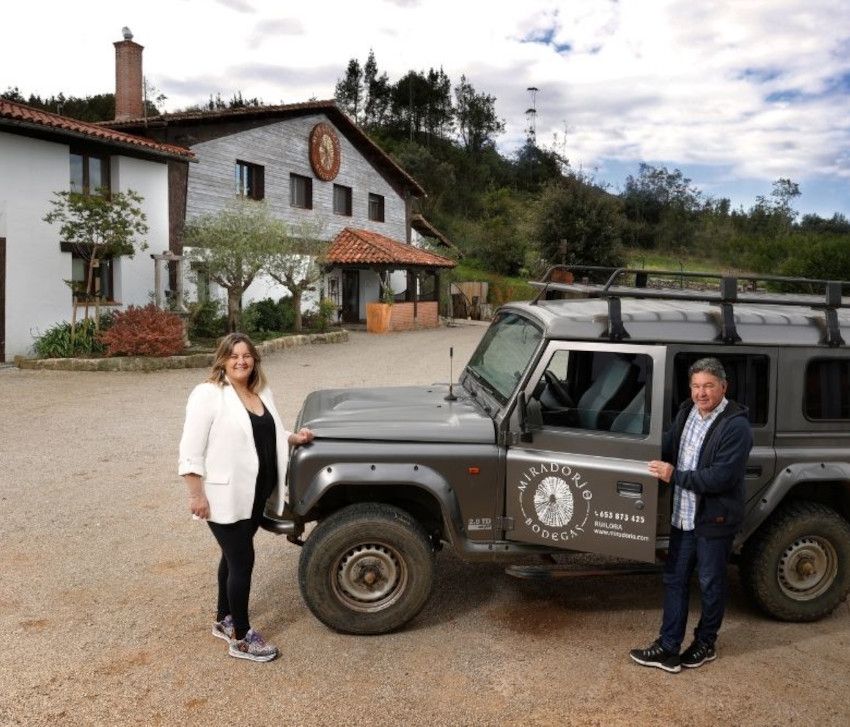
[748,377]
[504,353]
[597,390]
[827,389]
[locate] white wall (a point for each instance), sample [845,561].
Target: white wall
[135,283]
[36,296]
[31,171]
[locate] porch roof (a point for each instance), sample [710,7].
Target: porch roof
[363,248]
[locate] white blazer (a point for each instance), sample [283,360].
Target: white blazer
[218,445]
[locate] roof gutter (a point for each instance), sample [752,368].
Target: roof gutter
[43,130]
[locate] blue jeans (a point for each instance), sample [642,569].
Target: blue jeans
[709,557]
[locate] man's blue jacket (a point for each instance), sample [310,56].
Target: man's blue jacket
[719,476]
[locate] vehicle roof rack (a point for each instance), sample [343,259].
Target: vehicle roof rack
[726,294]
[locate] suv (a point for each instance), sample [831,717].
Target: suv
[542,447]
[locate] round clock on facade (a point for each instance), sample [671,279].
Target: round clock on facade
[324,152]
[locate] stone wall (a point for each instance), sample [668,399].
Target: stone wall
[190,361]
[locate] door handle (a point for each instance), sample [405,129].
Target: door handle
[753,472]
[629,489]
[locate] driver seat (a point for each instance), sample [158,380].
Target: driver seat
[602,392]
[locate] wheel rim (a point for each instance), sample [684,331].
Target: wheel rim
[369,577]
[807,568]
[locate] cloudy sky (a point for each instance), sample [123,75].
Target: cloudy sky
[735,94]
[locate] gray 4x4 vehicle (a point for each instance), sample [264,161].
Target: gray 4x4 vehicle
[542,448]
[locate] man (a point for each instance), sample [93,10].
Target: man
[709,441]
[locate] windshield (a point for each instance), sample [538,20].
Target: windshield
[504,353]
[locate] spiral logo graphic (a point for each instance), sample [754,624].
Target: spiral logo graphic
[553,502]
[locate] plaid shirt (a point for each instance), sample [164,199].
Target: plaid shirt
[693,435]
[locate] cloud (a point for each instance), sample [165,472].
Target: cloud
[240,6]
[758,89]
[269,29]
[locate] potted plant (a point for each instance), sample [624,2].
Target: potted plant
[379,313]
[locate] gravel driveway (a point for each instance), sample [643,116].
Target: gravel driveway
[108,592]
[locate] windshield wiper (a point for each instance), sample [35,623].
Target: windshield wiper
[485,384]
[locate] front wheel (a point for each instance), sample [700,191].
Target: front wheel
[796,567]
[367,569]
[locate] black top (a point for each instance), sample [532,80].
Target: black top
[266,446]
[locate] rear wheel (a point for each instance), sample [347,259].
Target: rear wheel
[367,569]
[797,565]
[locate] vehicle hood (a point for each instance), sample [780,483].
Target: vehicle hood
[403,413]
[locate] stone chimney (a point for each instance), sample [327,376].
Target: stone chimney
[129,99]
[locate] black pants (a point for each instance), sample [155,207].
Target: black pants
[234,570]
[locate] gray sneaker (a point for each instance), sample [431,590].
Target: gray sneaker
[253,647]
[224,629]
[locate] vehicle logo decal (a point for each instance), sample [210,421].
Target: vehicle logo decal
[554,500]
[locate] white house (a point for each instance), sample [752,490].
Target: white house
[43,153]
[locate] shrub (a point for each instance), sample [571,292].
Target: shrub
[147,331]
[327,312]
[262,315]
[55,342]
[206,320]
[826,259]
[267,316]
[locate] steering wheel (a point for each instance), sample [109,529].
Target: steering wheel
[558,390]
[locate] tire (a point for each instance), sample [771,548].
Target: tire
[796,567]
[366,569]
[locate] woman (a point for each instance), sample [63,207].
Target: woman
[233,456]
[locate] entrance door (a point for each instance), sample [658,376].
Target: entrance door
[594,416]
[350,296]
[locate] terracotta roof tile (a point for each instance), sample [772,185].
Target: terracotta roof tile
[13,113]
[362,247]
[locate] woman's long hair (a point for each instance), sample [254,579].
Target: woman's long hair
[257,379]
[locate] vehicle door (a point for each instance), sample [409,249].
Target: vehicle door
[585,426]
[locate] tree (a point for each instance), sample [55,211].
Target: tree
[837,224]
[534,166]
[773,216]
[499,239]
[100,107]
[577,223]
[99,225]
[409,97]
[233,246]
[662,208]
[349,90]
[296,262]
[475,115]
[377,91]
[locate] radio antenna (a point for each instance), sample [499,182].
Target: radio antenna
[450,396]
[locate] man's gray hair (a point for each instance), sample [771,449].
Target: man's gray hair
[708,365]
